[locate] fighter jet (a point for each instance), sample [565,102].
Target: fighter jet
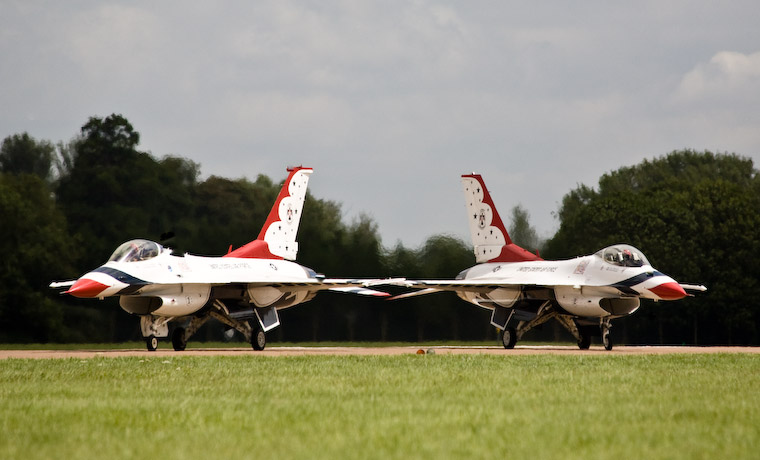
[244,289]
[524,291]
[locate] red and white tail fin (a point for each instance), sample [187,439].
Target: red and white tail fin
[277,239]
[490,239]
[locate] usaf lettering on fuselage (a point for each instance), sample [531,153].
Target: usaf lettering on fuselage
[237,266]
[537,269]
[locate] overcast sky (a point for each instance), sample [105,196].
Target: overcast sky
[391,101]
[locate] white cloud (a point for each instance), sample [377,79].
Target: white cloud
[114,42]
[393,98]
[728,74]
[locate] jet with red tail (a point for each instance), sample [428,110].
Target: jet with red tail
[524,291]
[243,289]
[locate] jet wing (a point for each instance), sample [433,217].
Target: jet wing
[432,286]
[485,286]
[479,286]
[351,286]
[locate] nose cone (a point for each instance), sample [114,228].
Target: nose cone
[669,291]
[86,288]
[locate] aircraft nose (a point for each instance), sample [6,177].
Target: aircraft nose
[86,288]
[669,291]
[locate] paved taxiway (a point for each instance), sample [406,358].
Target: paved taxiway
[343,351]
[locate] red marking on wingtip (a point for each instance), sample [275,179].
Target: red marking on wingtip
[669,291]
[86,288]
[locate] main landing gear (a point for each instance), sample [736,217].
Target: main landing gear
[586,332]
[258,339]
[179,340]
[155,327]
[509,338]
[582,329]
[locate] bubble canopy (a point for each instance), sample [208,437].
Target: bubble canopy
[623,255]
[136,251]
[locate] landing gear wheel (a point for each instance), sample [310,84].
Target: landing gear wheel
[178,339]
[258,339]
[606,340]
[509,338]
[151,343]
[585,341]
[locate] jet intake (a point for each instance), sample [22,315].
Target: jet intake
[575,302]
[186,301]
[264,296]
[502,297]
[620,306]
[140,305]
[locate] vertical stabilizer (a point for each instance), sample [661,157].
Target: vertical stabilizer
[277,239]
[490,239]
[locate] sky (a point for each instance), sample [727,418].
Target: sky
[392,101]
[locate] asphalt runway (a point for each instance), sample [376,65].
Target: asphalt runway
[365,351]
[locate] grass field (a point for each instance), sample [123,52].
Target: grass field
[408,406]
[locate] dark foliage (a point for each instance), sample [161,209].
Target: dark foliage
[64,210]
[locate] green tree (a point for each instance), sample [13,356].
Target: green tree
[695,215]
[36,249]
[436,316]
[22,154]
[229,213]
[111,192]
[520,230]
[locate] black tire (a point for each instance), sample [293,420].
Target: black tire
[606,340]
[178,339]
[258,339]
[151,343]
[509,338]
[585,342]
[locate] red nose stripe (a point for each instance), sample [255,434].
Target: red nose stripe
[86,288]
[669,291]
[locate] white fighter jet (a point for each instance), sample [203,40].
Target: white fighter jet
[523,291]
[243,289]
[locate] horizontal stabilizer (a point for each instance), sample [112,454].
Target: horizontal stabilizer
[360,291]
[415,293]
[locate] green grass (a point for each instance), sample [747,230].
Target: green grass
[408,406]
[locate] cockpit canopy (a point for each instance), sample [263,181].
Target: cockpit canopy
[623,255]
[136,251]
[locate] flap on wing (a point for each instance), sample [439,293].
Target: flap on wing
[360,291]
[317,284]
[416,293]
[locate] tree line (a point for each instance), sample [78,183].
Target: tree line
[64,208]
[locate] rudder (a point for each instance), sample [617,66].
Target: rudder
[490,239]
[277,238]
